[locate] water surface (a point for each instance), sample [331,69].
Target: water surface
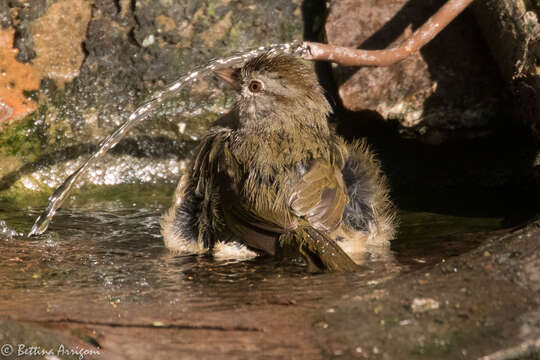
[105,247]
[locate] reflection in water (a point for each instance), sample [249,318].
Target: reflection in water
[118,256]
[112,252]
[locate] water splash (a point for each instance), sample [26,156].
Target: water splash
[144,111]
[7,232]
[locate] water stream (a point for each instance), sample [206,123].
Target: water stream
[144,111]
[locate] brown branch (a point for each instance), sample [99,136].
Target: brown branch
[356,57]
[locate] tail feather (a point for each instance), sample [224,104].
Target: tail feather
[320,251]
[369,209]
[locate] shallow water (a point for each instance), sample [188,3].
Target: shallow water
[107,249]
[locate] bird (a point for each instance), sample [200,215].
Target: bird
[275,177]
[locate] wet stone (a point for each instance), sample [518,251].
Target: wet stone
[15,79]
[58,37]
[115,57]
[424,304]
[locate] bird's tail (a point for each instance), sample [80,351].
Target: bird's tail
[319,250]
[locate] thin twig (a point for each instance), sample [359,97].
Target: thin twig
[356,57]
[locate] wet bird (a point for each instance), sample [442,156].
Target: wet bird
[277,175]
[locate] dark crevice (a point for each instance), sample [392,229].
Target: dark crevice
[314,15]
[151,326]
[24,43]
[118,6]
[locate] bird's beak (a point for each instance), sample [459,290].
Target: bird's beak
[231,76]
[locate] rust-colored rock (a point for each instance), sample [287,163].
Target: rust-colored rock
[450,84]
[58,37]
[14,78]
[218,31]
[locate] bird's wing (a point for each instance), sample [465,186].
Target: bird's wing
[199,209]
[257,225]
[320,196]
[216,175]
[213,157]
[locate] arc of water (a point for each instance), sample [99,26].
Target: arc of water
[62,192]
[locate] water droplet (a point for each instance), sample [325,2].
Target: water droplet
[149,40]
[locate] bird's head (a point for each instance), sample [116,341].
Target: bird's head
[273,88]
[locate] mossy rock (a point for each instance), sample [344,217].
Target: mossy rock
[131,51]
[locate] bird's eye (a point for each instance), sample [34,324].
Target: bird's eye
[255,86]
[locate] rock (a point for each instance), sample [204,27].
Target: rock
[496,312]
[58,39]
[27,341]
[449,89]
[424,304]
[15,78]
[512,31]
[97,61]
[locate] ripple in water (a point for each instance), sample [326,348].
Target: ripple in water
[6,232]
[117,256]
